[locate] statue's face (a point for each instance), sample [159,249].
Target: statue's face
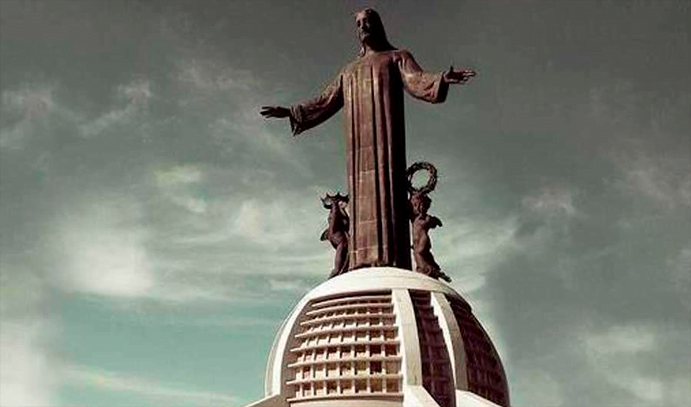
[420,204]
[366,26]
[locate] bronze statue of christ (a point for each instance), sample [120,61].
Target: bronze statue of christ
[370,90]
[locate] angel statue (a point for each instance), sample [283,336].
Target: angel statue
[337,231]
[423,222]
[422,245]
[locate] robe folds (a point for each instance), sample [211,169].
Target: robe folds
[370,91]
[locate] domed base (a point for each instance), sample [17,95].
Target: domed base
[380,337]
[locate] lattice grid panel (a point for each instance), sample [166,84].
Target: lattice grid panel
[485,373]
[347,346]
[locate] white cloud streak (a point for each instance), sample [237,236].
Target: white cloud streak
[229,98]
[666,181]
[680,270]
[107,380]
[266,224]
[101,249]
[177,184]
[288,285]
[612,354]
[28,368]
[136,96]
[548,388]
[474,247]
[29,111]
[209,76]
[25,113]
[471,248]
[552,201]
[226,322]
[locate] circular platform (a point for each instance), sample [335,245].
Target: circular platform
[374,336]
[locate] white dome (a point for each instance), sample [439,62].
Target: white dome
[383,337]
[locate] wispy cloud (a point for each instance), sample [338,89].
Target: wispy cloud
[30,102]
[550,393]
[245,129]
[34,110]
[644,141]
[664,180]
[226,322]
[172,289]
[620,339]
[267,219]
[28,368]
[137,92]
[106,120]
[207,75]
[100,249]
[266,223]
[228,99]
[546,217]
[180,174]
[293,285]
[132,99]
[551,201]
[680,269]
[608,352]
[102,246]
[474,247]
[25,113]
[114,381]
[179,184]
[470,248]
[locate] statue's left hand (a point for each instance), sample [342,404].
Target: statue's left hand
[436,222]
[459,75]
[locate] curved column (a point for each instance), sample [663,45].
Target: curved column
[452,337]
[410,343]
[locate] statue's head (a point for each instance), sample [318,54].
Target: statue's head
[370,31]
[420,203]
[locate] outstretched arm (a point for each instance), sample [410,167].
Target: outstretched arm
[304,116]
[429,86]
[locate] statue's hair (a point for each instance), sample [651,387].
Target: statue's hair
[329,200]
[379,28]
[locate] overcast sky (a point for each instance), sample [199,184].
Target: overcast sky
[155,230]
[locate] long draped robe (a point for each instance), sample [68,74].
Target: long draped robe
[370,90]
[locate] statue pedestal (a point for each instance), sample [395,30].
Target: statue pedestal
[381,337]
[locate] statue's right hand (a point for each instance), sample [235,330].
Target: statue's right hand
[274,111]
